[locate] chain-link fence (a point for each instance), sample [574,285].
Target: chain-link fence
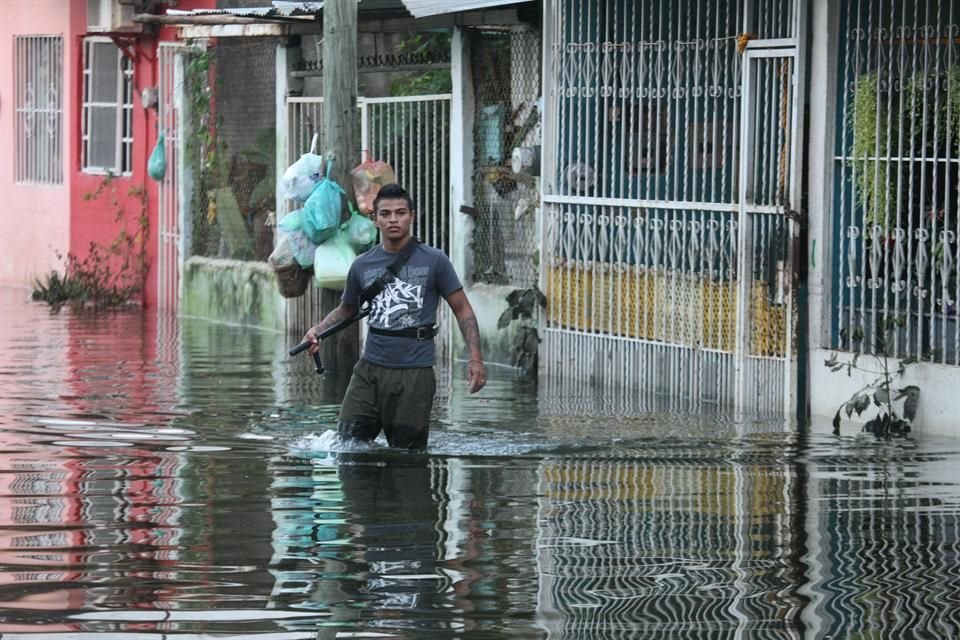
[231,132]
[506,72]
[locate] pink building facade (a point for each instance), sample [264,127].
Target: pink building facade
[37,52]
[78,122]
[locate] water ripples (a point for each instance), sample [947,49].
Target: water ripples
[165,478]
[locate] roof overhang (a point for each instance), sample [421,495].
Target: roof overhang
[424,8]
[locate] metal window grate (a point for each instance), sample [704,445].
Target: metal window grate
[39,124]
[107,108]
[897,201]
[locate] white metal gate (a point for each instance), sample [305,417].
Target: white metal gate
[671,154]
[170,250]
[411,133]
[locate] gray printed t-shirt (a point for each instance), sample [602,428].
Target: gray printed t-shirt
[410,300]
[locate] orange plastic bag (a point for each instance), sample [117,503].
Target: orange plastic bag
[368,177]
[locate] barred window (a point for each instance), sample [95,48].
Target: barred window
[39,121]
[107,108]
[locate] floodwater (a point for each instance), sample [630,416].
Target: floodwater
[179,479]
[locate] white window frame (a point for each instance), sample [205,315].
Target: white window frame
[38,64]
[123,106]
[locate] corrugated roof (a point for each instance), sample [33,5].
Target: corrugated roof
[278,9]
[424,8]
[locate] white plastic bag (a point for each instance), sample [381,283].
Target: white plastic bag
[300,178]
[282,255]
[332,261]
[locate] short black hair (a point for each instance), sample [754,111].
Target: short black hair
[393,190]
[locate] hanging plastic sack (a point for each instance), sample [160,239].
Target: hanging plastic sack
[301,178]
[332,261]
[368,177]
[291,221]
[282,254]
[301,247]
[359,231]
[320,216]
[157,164]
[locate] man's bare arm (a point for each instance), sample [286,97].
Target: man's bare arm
[339,313]
[467,320]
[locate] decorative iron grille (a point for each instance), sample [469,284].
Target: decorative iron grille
[896,203]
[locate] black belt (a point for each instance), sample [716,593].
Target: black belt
[420,333]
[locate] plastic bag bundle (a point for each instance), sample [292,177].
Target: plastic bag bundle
[282,254]
[301,246]
[360,232]
[368,177]
[301,178]
[320,216]
[332,261]
[291,221]
[157,164]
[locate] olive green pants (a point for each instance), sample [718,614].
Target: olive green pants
[395,401]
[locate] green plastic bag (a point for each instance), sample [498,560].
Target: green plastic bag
[320,216]
[157,165]
[332,261]
[360,232]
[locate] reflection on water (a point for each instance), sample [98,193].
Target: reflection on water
[181,479]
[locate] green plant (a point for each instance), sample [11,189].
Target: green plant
[886,124]
[880,391]
[424,46]
[110,275]
[205,151]
[522,306]
[262,155]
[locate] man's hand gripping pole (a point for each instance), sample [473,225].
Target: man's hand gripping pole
[329,331]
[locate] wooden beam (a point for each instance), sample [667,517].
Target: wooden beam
[341,143]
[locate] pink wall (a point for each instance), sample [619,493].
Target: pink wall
[34,220]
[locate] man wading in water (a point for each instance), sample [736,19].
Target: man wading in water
[393,384]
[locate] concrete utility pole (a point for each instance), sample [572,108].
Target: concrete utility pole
[341,143]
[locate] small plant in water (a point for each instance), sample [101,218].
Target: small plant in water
[880,391]
[522,306]
[109,276]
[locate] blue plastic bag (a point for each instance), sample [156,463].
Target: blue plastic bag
[320,216]
[157,164]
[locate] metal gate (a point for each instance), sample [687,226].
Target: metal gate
[671,163]
[170,250]
[411,133]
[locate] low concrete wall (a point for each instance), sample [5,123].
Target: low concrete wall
[936,413]
[232,291]
[489,302]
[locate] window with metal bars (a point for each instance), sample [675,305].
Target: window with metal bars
[39,120]
[107,108]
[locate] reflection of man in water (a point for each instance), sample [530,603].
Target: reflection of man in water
[395,523]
